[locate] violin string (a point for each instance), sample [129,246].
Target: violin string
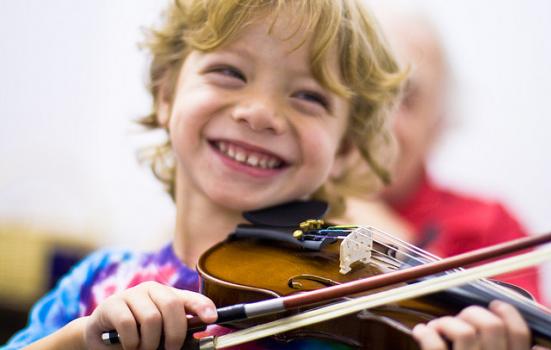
[518,298]
[478,284]
[396,261]
[398,244]
[389,247]
[487,283]
[392,295]
[428,257]
[421,256]
[407,246]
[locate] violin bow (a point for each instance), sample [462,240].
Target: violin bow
[277,305]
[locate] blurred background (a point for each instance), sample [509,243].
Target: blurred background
[73,81]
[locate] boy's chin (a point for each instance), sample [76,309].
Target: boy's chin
[245,202]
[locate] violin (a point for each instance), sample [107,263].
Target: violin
[270,258]
[281,259]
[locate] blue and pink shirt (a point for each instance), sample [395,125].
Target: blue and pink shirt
[94,279]
[106,272]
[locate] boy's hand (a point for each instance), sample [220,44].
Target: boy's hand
[500,327]
[142,313]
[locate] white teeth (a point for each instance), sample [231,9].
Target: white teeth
[240,156]
[272,163]
[231,152]
[251,159]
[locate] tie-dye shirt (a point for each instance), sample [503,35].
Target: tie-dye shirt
[106,272]
[95,278]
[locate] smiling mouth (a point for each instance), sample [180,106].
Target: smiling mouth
[247,156]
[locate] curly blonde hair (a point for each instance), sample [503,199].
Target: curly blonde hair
[369,75]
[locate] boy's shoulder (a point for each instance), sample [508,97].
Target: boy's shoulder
[99,261]
[103,256]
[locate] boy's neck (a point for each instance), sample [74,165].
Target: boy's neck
[200,224]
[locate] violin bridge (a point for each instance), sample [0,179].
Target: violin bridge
[356,247]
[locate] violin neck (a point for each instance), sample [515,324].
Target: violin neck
[481,294]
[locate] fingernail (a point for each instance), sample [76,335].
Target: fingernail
[209,312]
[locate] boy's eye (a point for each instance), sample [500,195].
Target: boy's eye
[313,97]
[230,72]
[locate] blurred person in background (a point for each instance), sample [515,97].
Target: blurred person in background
[443,221]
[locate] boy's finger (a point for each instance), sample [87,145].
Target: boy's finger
[428,338]
[198,304]
[174,316]
[462,334]
[92,333]
[120,318]
[148,317]
[518,333]
[490,327]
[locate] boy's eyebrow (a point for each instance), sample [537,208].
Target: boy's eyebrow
[248,53]
[239,50]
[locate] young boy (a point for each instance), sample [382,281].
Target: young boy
[261,101]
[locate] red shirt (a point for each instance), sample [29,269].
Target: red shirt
[454,223]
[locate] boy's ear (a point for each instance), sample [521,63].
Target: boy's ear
[164,104]
[343,159]
[163,112]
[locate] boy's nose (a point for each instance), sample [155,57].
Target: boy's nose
[260,116]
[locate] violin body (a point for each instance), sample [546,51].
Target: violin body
[264,261]
[248,270]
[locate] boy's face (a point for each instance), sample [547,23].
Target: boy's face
[249,124]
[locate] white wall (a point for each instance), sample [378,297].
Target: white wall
[72,80]
[500,52]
